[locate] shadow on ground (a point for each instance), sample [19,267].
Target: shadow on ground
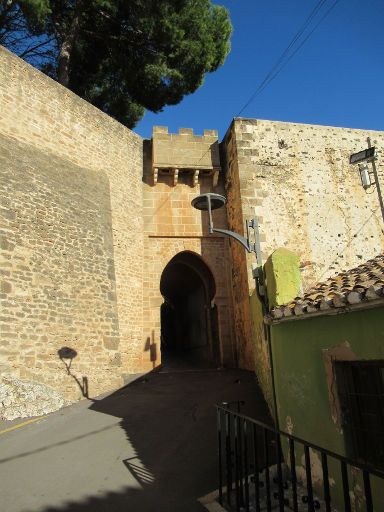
[169,419]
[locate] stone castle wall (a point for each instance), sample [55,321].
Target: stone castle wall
[71,237]
[172,226]
[91,215]
[241,302]
[297,180]
[185,149]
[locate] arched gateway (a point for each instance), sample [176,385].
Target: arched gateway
[188,315]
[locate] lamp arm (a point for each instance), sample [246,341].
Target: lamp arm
[244,242]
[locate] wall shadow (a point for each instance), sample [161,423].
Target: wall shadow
[67,355]
[170,421]
[151,347]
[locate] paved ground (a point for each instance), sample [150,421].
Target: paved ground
[150,446]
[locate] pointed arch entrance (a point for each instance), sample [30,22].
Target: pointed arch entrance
[189,326]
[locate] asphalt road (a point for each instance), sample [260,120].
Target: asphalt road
[150,446]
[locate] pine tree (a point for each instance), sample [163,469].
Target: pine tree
[124,56]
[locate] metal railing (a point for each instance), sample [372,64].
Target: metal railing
[248,448]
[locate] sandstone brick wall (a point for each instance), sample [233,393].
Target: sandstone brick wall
[71,236]
[88,226]
[241,292]
[172,226]
[185,149]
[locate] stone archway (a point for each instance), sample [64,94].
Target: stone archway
[189,329]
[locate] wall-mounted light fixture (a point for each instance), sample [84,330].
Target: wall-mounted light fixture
[208,202]
[365,176]
[363,158]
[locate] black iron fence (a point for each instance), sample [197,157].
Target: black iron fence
[258,470]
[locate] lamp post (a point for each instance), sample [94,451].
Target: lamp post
[208,202]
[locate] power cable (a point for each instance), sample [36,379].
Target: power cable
[301,44]
[275,70]
[295,38]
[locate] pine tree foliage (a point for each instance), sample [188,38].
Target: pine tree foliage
[124,56]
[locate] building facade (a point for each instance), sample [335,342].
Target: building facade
[328,359]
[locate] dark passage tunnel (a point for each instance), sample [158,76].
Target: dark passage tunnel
[188,316]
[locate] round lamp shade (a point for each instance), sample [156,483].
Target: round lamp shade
[201,202]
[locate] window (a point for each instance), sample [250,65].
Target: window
[360,387]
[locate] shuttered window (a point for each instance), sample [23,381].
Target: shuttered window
[360,387]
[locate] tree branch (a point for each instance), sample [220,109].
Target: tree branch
[34,48]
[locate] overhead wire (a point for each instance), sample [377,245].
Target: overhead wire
[295,38]
[280,63]
[275,70]
[301,44]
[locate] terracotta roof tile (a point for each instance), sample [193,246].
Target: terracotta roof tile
[359,285]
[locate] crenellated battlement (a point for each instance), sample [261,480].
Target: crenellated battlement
[185,153]
[184,131]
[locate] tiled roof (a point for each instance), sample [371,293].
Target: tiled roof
[359,285]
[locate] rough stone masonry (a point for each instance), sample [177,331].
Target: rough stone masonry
[91,214]
[71,236]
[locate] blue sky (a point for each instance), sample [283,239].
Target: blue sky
[336,78]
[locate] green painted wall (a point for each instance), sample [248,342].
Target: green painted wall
[282,272]
[300,379]
[301,385]
[283,280]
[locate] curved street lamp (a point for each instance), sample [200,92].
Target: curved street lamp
[208,202]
